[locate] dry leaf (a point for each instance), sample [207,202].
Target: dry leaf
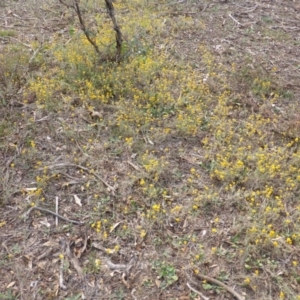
[2,223]
[29,261]
[96,114]
[149,141]
[46,223]
[74,261]
[77,200]
[10,284]
[30,189]
[51,243]
[191,160]
[157,282]
[80,246]
[124,280]
[115,226]
[98,246]
[41,264]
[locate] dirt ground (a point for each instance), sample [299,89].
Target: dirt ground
[44,257]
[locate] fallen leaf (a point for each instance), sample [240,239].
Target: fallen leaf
[46,223]
[74,261]
[29,265]
[115,226]
[124,280]
[10,284]
[96,114]
[30,189]
[149,141]
[77,200]
[80,246]
[98,246]
[51,243]
[41,264]
[157,282]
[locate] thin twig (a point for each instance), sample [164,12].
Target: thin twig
[235,20]
[240,24]
[113,266]
[83,28]
[133,165]
[54,214]
[197,292]
[56,210]
[61,276]
[25,45]
[217,282]
[82,24]
[84,169]
[74,260]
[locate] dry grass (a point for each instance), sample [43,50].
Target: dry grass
[182,160]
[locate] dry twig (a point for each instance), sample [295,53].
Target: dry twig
[54,214]
[56,210]
[74,260]
[217,282]
[61,276]
[197,292]
[84,169]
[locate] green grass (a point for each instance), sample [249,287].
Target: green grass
[7,33]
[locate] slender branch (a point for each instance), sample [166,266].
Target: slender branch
[54,214]
[111,12]
[196,292]
[112,189]
[119,39]
[217,282]
[83,28]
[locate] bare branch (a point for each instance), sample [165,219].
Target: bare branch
[83,28]
[111,12]
[119,38]
[217,282]
[52,213]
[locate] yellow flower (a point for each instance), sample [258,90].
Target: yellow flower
[97,262]
[289,241]
[156,207]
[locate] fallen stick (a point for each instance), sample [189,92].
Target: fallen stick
[56,211]
[196,292]
[61,276]
[217,282]
[54,214]
[61,165]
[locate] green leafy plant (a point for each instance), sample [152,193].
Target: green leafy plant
[166,272]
